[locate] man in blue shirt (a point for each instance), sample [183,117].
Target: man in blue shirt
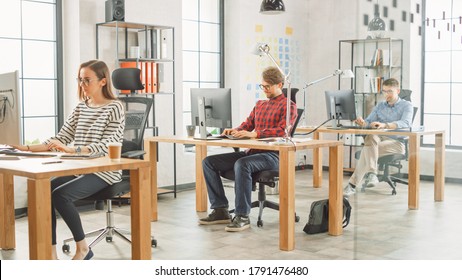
[392,113]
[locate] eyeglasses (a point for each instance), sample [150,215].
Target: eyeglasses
[86,81]
[265,87]
[388,91]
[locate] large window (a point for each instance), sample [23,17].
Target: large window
[29,43]
[202,48]
[443,69]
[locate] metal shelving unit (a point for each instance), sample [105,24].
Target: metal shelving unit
[157,46]
[372,61]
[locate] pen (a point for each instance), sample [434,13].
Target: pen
[50,162]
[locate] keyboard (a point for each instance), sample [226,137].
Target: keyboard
[229,136]
[352,127]
[220,137]
[82,156]
[26,154]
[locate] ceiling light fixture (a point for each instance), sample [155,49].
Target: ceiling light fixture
[272,7]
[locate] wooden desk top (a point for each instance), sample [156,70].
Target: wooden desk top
[370,131]
[34,169]
[252,143]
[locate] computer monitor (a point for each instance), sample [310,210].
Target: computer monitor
[211,107]
[340,105]
[10,124]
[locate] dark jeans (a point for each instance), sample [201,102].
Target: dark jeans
[244,165]
[64,192]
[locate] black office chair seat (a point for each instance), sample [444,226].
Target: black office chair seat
[390,158]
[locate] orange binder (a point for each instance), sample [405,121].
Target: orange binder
[154,80]
[148,81]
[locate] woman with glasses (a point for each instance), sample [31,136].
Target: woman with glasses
[392,113]
[97,120]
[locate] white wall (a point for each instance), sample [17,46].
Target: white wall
[317,26]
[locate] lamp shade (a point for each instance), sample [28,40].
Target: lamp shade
[271,7]
[376,27]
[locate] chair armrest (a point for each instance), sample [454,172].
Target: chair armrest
[133,154]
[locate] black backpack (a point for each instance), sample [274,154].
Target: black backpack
[319,216]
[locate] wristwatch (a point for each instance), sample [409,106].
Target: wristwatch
[78,149]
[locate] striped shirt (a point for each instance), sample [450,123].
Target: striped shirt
[268,118]
[94,128]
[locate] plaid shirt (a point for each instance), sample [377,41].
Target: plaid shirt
[268,118]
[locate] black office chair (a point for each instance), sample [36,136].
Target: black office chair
[293,94]
[264,178]
[136,114]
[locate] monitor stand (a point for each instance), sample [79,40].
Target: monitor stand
[202,120]
[333,111]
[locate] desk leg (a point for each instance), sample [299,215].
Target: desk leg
[140,218]
[317,163]
[7,222]
[287,200]
[201,189]
[39,215]
[414,172]
[440,147]
[150,148]
[335,190]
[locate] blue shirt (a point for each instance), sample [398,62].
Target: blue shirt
[399,113]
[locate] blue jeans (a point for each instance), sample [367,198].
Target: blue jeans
[244,165]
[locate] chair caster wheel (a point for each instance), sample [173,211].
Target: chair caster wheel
[153,243]
[66,248]
[393,192]
[297,218]
[108,238]
[260,223]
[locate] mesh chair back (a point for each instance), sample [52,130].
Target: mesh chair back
[136,115]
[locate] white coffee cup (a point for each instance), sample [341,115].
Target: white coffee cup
[190,130]
[114,151]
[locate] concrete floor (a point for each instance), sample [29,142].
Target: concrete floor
[381,228]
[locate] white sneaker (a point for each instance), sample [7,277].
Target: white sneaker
[349,190]
[372,180]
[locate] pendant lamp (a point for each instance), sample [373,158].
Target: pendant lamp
[271,7]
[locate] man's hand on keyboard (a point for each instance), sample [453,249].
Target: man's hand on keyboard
[360,121]
[378,125]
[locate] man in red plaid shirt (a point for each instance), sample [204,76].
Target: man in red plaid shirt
[267,119]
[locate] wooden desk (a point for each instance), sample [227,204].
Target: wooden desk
[286,178]
[414,158]
[39,200]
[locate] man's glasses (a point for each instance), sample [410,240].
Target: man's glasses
[265,87]
[86,81]
[388,91]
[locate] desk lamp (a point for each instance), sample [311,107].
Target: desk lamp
[344,74]
[263,49]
